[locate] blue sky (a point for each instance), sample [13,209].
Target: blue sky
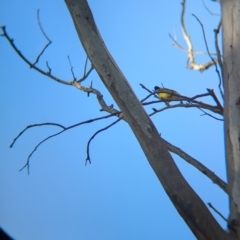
[117,196]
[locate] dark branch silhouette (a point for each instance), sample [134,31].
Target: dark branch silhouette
[213,60]
[216,211]
[88,159]
[53,135]
[197,165]
[71,67]
[45,35]
[32,65]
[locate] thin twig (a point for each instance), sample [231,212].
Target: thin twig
[200,105]
[149,91]
[40,25]
[215,210]
[85,75]
[85,66]
[85,72]
[177,45]
[34,125]
[27,164]
[210,115]
[219,56]
[88,159]
[212,13]
[215,98]
[204,37]
[213,60]
[49,69]
[148,96]
[71,68]
[45,35]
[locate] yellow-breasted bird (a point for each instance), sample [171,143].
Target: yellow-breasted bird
[167,95]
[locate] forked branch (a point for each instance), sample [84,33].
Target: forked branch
[191,64]
[56,134]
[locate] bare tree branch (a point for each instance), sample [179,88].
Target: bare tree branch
[177,45]
[216,211]
[88,159]
[53,135]
[35,125]
[32,65]
[213,60]
[212,13]
[211,175]
[186,36]
[41,28]
[48,72]
[191,64]
[149,91]
[219,56]
[205,106]
[210,115]
[215,99]
[45,35]
[100,99]
[74,78]
[86,74]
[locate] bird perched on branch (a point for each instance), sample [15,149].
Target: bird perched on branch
[167,95]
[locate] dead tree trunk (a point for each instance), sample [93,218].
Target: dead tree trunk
[231,77]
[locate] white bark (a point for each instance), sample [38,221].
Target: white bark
[231,76]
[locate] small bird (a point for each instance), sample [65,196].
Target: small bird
[167,95]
